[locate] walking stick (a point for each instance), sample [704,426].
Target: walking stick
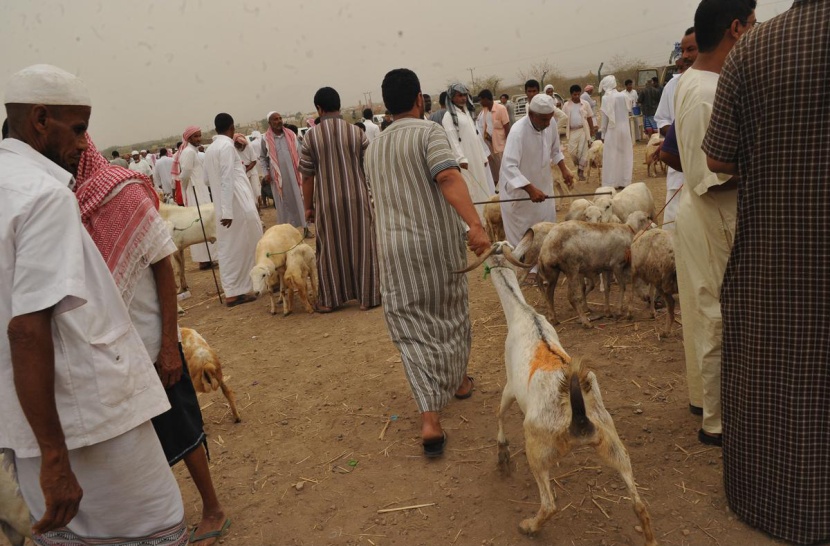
[204,234]
[546,197]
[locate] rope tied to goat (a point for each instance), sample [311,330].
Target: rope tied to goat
[196,221]
[269,254]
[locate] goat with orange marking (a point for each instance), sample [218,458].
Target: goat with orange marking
[561,402]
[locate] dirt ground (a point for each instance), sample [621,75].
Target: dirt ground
[330,433]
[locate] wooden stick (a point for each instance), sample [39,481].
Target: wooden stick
[383,432]
[413,507]
[604,513]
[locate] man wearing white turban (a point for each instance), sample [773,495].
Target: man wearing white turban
[77,387]
[618,150]
[531,149]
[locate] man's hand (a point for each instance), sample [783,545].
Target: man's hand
[61,492]
[225,222]
[569,178]
[309,215]
[477,240]
[536,195]
[465,165]
[169,365]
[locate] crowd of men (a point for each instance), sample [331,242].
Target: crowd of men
[95,394]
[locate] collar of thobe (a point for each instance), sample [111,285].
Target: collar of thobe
[331,116]
[24,149]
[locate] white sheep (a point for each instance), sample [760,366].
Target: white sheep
[605,203]
[269,271]
[594,159]
[577,209]
[14,514]
[186,230]
[592,215]
[492,219]
[560,400]
[580,249]
[301,276]
[605,190]
[652,261]
[633,197]
[205,368]
[651,161]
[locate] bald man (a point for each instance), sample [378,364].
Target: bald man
[77,387]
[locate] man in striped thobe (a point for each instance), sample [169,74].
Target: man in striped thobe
[421,199]
[336,195]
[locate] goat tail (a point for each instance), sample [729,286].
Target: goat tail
[524,245]
[580,424]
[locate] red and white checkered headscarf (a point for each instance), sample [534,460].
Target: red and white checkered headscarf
[176,170]
[125,226]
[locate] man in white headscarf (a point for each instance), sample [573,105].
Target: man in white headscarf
[470,149]
[77,387]
[531,149]
[618,150]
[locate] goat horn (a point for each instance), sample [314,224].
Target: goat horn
[509,255]
[478,262]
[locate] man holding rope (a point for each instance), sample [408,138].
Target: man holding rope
[530,151]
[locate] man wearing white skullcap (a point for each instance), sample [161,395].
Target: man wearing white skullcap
[141,165]
[77,387]
[531,149]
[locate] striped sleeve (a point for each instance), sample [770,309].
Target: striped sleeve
[440,156]
[308,161]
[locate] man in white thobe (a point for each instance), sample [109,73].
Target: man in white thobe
[372,130]
[194,188]
[664,117]
[468,145]
[526,170]
[141,165]
[580,129]
[617,150]
[77,387]
[161,173]
[238,228]
[249,158]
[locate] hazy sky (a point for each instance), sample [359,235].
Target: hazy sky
[155,67]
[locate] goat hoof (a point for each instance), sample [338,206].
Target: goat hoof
[528,527]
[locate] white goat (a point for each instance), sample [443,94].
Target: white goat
[633,197]
[301,275]
[269,271]
[492,219]
[652,261]
[606,205]
[650,161]
[580,249]
[186,230]
[561,402]
[14,514]
[205,368]
[592,215]
[577,209]
[594,159]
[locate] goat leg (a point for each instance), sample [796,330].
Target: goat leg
[226,390]
[507,399]
[538,457]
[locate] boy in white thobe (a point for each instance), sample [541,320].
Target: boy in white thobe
[238,227]
[525,170]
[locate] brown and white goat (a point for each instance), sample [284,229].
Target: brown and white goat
[560,400]
[205,368]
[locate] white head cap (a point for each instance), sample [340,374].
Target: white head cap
[134,152]
[46,84]
[271,113]
[548,86]
[542,104]
[143,151]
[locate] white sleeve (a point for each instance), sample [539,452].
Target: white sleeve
[452,136]
[227,161]
[663,115]
[510,173]
[556,154]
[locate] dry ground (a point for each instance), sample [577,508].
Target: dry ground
[330,434]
